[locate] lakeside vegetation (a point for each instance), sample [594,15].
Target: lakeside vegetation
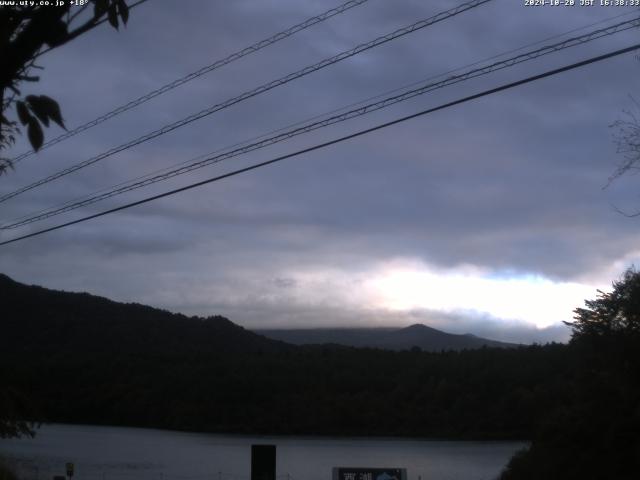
[85,359]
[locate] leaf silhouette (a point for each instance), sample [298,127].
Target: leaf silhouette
[46,107]
[55,33]
[123,9]
[23,112]
[100,8]
[113,16]
[38,109]
[34,132]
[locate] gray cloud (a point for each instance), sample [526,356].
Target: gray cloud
[509,183]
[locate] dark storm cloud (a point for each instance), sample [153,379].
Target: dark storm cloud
[510,182]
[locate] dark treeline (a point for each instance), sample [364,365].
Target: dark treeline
[85,359]
[88,359]
[310,390]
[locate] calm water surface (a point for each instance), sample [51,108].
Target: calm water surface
[113,453]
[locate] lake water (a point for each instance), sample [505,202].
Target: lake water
[113,453]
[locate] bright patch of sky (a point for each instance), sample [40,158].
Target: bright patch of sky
[405,286]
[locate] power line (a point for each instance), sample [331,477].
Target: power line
[198,73]
[148,179]
[167,173]
[302,122]
[335,141]
[252,93]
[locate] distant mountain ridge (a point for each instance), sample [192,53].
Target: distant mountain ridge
[52,317]
[421,336]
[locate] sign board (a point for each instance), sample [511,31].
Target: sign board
[364,473]
[69,469]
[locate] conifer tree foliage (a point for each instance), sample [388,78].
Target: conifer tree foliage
[611,315]
[595,432]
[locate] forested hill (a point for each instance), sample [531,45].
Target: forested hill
[415,336]
[47,320]
[64,319]
[77,358]
[85,359]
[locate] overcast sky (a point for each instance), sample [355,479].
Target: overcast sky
[489,217]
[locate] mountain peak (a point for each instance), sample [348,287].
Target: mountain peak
[418,327]
[417,335]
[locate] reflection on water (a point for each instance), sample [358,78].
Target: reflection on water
[113,453]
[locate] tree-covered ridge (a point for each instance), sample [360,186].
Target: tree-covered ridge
[79,322]
[86,359]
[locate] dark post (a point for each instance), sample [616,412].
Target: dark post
[263,462]
[70,469]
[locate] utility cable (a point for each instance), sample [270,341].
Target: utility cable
[252,93]
[203,162]
[491,91]
[198,73]
[315,117]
